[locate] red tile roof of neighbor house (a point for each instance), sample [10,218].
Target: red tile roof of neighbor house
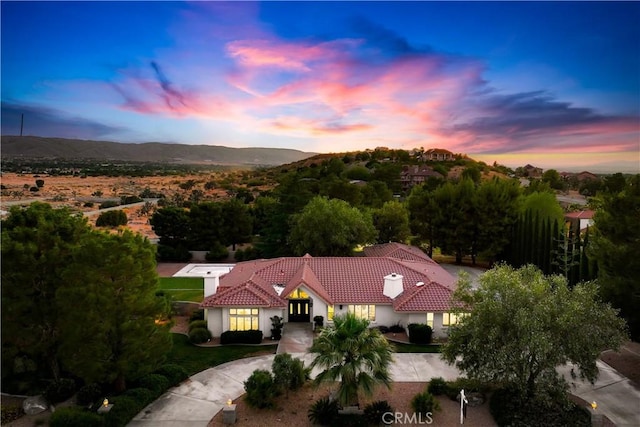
[339,280]
[580,215]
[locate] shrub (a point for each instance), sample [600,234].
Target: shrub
[88,394]
[11,413]
[127,200]
[239,255]
[75,417]
[508,408]
[260,389]
[123,410]
[288,373]
[174,373]
[383,329]
[108,204]
[438,386]
[217,252]
[112,219]
[419,333]
[169,253]
[88,205]
[197,324]
[319,321]
[374,411]
[469,385]
[60,391]
[276,327]
[197,315]
[156,383]
[396,329]
[34,189]
[241,337]
[424,403]
[142,395]
[199,335]
[40,183]
[323,411]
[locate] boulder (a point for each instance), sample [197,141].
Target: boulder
[33,405]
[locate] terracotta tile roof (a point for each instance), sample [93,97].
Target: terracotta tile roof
[429,297]
[246,294]
[339,280]
[397,250]
[580,215]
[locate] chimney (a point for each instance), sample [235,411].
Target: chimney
[392,285]
[211,283]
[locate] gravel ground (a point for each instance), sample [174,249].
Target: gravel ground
[292,410]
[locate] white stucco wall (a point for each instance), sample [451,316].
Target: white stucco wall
[214,321]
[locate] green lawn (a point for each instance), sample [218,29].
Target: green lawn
[183,288]
[416,348]
[195,359]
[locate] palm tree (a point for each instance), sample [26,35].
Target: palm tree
[354,354]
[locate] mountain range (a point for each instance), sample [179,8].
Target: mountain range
[61,148]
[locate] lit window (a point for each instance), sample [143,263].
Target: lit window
[330,312]
[449,319]
[364,311]
[298,294]
[430,319]
[243,319]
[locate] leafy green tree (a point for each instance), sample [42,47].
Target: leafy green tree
[206,225]
[237,223]
[615,183]
[112,219]
[522,325]
[330,228]
[473,173]
[114,337]
[544,206]
[337,188]
[424,215]
[615,246]
[392,222]
[456,217]
[375,194]
[172,224]
[37,243]
[497,207]
[354,354]
[552,177]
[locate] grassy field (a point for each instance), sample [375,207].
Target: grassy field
[195,359]
[182,288]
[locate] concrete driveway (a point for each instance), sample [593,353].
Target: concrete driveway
[197,400]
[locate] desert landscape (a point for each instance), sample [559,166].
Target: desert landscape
[85,194]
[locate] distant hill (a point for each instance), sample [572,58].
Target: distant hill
[61,148]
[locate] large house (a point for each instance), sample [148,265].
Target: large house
[417,175]
[391,284]
[582,219]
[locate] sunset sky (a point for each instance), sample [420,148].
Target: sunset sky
[555,84]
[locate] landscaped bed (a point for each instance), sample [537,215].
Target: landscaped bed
[292,410]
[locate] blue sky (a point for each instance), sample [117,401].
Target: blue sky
[551,83]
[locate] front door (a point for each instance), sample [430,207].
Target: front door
[299,310]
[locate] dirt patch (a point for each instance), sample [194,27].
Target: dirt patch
[292,409]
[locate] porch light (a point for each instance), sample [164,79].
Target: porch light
[105,402]
[229,402]
[594,405]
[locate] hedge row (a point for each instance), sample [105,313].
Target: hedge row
[126,406]
[241,337]
[419,333]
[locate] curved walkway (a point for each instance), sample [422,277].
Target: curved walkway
[197,400]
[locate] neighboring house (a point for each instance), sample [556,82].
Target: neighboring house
[438,154]
[532,171]
[584,176]
[392,284]
[583,219]
[416,175]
